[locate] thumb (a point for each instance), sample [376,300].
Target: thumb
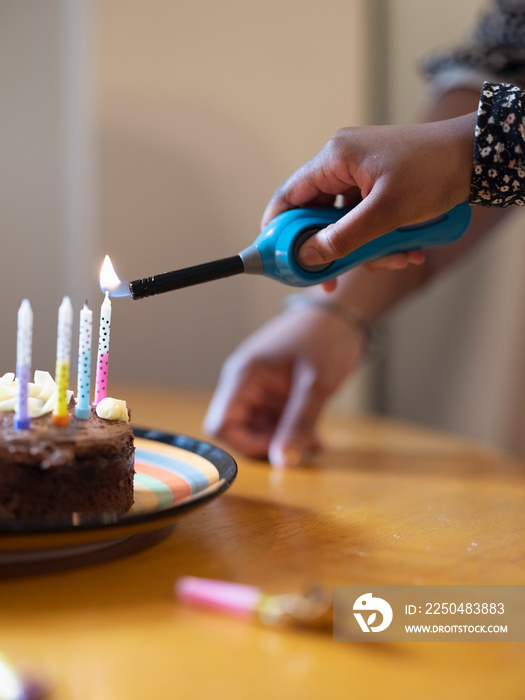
[295,435]
[366,221]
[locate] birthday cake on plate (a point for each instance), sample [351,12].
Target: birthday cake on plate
[50,470]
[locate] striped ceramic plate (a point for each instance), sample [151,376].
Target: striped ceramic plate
[173,471]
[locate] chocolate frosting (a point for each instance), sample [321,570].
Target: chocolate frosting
[46,445]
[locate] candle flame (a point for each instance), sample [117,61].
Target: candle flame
[110,282]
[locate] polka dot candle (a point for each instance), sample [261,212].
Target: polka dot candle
[65,324]
[101,382]
[83,409]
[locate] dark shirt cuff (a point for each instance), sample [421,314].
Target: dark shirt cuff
[498,174]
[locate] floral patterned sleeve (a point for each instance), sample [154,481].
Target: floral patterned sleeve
[498,175]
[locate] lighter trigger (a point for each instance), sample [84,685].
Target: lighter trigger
[300,239]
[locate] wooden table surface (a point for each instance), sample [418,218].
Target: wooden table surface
[387,503]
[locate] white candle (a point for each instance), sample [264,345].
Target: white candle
[24,341]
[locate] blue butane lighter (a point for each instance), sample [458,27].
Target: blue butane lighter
[274,252]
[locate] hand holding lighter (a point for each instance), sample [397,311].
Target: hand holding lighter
[274,253]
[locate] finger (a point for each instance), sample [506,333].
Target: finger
[243,427]
[288,197]
[218,407]
[295,436]
[366,221]
[397,261]
[416,257]
[249,440]
[245,409]
[330,285]
[313,184]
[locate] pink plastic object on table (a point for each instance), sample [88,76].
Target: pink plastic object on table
[223,595]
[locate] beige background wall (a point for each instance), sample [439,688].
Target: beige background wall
[202,110]
[47,235]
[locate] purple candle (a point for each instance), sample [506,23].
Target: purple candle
[24,340]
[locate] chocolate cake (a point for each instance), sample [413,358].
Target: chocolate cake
[51,471]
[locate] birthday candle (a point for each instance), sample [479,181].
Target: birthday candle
[101,381]
[21,420]
[83,409]
[65,323]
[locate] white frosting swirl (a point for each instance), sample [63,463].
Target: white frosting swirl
[113,409]
[42,394]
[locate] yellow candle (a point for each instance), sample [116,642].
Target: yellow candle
[65,323]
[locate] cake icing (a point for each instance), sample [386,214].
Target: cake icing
[112,409]
[43,394]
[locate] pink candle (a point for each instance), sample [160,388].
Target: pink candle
[101,381]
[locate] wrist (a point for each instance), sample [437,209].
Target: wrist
[374,293]
[459,135]
[369,333]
